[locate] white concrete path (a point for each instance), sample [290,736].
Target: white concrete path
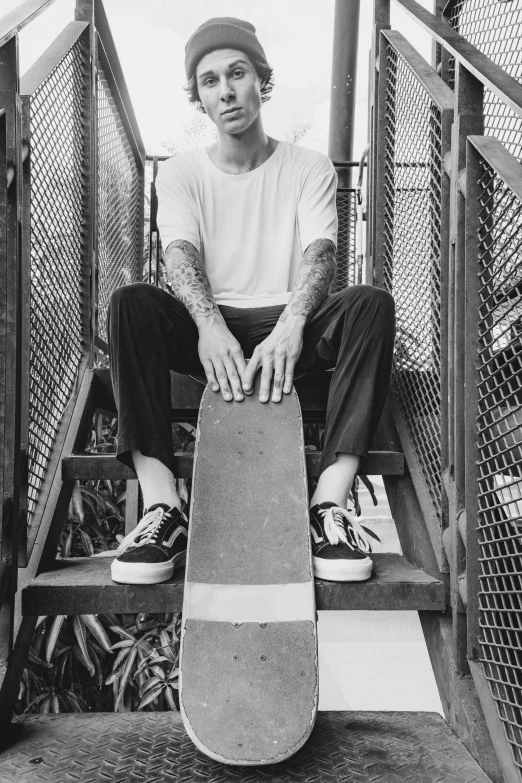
[375,660]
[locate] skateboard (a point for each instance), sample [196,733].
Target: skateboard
[248,670]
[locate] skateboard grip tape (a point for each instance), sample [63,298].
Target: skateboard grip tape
[250,693]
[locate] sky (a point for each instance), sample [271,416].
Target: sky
[297,36]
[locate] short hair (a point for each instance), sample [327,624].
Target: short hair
[263,70]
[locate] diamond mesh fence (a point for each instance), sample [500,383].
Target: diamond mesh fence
[119,204]
[495,28]
[347,272]
[57,252]
[411,259]
[500,449]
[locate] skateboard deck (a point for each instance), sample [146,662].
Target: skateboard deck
[249,675]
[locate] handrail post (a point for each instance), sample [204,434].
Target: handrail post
[84,12]
[343,85]
[10,330]
[469,119]
[376,114]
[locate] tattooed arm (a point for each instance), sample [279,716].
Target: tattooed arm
[278,354]
[219,351]
[314,277]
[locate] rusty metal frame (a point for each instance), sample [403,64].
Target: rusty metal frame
[10,333]
[468,119]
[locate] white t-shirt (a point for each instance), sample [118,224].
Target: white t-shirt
[251,229]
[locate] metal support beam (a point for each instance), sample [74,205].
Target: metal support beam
[344,79]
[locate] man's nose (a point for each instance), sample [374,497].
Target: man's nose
[226,91]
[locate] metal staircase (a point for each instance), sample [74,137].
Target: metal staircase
[445,204]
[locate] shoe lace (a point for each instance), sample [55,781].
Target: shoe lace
[339,526]
[146,531]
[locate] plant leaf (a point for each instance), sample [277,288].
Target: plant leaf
[170,699]
[124,678]
[166,645]
[122,645]
[150,683]
[34,659]
[97,630]
[121,632]
[88,547]
[53,636]
[76,505]
[151,696]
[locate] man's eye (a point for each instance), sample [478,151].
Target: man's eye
[209,82]
[236,73]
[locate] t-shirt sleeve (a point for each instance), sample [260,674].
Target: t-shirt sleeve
[316,210]
[177,214]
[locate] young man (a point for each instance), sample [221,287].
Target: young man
[249,229]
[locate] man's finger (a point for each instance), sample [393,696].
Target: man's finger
[250,372]
[211,376]
[241,365]
[233,378]
[279,377]
[289,375]
[266,379]
[222,378]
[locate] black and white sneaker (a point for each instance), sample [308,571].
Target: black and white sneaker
[340,544]
[154,549]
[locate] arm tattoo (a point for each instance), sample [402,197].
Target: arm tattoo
[188,279]
[313,279]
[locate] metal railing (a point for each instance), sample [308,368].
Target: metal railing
[495,29]
[446,219]
[494,283]
[71,230]
[54,252]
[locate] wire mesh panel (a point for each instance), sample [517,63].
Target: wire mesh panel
[346,273]
[495,28]
[499,465]
[411,257]
[56,254]
[119,204]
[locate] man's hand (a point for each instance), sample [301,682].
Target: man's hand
[277,355]
[221,356]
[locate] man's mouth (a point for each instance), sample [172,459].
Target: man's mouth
[232,111]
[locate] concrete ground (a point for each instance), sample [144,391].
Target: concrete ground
[375,660]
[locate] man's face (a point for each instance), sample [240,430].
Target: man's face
[229,89]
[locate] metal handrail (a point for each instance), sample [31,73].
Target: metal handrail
[19,17]
[491,75]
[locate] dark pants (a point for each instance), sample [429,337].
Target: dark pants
[150,333]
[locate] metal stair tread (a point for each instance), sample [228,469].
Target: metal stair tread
[84,586]
[86,467]
[395,747]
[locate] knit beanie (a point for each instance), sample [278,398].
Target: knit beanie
[224,32]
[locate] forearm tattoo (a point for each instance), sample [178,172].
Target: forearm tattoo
[188,279]
[313,279]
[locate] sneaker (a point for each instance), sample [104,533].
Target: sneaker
[154,549]
[340,544]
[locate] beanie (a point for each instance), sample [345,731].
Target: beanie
[223,32]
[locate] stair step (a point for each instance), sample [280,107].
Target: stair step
[395,747]
[88,467]
[186,393]
[83,585]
